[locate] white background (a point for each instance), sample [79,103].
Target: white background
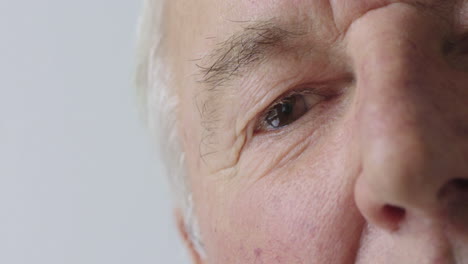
[78,180]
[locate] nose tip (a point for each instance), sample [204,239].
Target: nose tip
[409,177]
[382,213]
[389,208]
[406,122]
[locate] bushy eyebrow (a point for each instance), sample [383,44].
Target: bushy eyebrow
[252,44]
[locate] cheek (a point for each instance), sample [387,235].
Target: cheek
[286,213]
[290,221]
[301,212]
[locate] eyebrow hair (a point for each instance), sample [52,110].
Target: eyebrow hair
[230,59]
[244,48]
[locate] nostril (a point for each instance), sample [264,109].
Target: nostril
[393,214]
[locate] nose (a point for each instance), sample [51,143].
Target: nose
[410,121]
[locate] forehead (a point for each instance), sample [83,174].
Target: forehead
[194,29]
[215,18]
[341,11]
[195,26]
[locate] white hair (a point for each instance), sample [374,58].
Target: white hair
[160,104]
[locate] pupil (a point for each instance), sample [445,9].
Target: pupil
[281,114]
[287,108]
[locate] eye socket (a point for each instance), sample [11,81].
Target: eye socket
[287,110]
[456,51]
[458,46]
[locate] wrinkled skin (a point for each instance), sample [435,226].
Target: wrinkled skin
[377,174]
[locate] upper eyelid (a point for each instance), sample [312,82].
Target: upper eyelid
[304,91]
[278,100]
[318,90]
[328,88]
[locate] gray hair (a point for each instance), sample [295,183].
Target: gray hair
[160,104]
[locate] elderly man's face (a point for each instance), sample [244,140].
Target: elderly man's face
[325,131]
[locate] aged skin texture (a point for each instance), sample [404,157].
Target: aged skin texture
[324,131]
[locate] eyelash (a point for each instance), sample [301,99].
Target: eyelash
[264,122]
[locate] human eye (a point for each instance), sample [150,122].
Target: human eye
[286,110]
[456,51]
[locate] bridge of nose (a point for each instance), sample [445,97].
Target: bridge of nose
[401,115]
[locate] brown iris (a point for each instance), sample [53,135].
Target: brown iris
[286,111]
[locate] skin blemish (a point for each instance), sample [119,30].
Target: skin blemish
[258,253]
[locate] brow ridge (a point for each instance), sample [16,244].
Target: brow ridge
[242,50]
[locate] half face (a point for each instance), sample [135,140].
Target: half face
[325,131]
